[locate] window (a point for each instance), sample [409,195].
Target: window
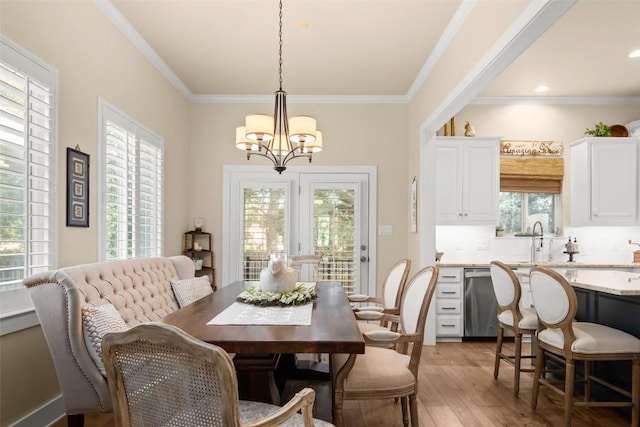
[131,175]
[518,211]
[27,169]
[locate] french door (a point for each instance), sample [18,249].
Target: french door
[304,211]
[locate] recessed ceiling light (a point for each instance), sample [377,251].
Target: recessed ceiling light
[542,88]
[635,54]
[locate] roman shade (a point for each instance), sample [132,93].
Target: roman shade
[531,174]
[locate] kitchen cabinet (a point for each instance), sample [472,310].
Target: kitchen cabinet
[449,322]
[467,180]
[604,181]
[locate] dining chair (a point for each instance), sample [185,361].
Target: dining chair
[513,318]
[160,375]
[389,303]
[563,339]
[297,262]
[382,373]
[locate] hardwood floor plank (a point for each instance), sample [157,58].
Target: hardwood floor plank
[456,389]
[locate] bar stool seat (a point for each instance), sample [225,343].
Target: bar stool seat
[529,318]
[518,320]
[563,339]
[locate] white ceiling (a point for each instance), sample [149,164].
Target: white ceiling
[371,47]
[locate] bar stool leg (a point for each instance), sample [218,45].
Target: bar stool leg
[516,364]
[587,380]
[635,393]
[496,368]
[540,364]
[569,385]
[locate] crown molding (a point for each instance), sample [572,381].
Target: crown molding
[117,19]
[557,100]
[114,15]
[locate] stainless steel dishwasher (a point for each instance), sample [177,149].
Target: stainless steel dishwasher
[480,304]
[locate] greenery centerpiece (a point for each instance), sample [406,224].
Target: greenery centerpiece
[300,295]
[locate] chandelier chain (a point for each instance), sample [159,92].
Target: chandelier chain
[280,47]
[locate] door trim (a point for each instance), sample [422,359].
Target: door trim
[248,170]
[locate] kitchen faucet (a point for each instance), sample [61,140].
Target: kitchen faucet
[533,240]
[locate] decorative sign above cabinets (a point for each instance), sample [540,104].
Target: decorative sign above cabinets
[530,148]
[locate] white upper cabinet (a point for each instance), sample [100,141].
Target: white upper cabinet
[467,180]
[604,181]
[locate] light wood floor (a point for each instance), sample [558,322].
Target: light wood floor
[456,389]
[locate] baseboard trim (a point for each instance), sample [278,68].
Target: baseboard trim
[46,415]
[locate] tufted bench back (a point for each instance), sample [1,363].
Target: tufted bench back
[139,289]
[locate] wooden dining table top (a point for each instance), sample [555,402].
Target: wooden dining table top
[333,326]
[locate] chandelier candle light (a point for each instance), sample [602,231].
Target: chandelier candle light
[278,138]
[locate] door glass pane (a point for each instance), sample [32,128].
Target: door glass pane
[263,228]
[334,232]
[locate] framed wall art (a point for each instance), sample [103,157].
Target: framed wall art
[77,188]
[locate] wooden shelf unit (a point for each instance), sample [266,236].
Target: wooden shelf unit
[205,240]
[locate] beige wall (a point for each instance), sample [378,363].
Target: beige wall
[93,59]
[352,135]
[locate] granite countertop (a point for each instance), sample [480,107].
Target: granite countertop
[607,281]
[551,264]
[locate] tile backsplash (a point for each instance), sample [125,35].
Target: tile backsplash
[479,244]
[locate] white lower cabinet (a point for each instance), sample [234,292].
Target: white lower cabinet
[449,302]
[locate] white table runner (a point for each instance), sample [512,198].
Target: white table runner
[240,313]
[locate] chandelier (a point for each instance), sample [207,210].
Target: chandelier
[277,137]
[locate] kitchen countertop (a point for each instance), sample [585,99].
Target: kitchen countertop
[607,281]
[551,264]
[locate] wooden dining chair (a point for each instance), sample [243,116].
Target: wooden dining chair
[382,373]
[513,318]
[392,288]
[297,262]
[159,375]
[567,341]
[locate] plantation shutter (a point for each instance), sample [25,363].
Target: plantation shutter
[133,189]
[27,178]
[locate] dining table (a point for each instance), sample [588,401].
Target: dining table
[257,348]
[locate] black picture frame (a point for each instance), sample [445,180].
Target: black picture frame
[77,188]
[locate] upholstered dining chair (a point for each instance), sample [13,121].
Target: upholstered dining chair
[511,317]
[563,339]
[382,373]
[159,375]
[389,303]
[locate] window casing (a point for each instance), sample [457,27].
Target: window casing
[27,169]
[132,179]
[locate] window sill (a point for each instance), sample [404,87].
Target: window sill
[14,321]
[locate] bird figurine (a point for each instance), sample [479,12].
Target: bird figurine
[469,130]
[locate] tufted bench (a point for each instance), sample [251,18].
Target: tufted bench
[139,289]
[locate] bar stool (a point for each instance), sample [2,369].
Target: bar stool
[567,341]
[520,321]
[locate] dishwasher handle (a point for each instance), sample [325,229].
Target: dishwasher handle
[469,274]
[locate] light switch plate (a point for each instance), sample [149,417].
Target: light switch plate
[385,230]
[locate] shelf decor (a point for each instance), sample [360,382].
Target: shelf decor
[77,188]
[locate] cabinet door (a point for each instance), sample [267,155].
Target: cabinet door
[448,183]
[614,182]
[481,181]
